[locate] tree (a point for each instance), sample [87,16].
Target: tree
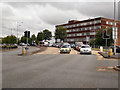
[33,37]
[23,39]
[30,41]
[9,39]
[99,38]
[47,34]
[60,33]
[40,36]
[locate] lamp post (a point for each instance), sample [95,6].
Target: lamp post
[114,29]
[94,32]
[18,25]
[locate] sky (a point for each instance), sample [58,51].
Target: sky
[37,16]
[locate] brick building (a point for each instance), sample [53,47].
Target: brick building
[87,29]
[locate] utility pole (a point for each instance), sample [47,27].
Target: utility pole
[18,25]
[27,42]
[27,38]
[94,32]
[114,29]
[17,32]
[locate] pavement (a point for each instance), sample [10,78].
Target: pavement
[48,70]
[105,55]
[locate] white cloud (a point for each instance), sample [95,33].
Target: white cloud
[39,16]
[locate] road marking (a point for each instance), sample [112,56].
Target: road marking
[108,69]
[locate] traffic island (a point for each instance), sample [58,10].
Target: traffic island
[41,49]
[117,68]
[29,53]
[105,55]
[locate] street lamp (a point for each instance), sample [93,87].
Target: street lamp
[114,29]
[18,27]
[94,32]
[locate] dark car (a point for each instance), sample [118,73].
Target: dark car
[72,45]
[117,49]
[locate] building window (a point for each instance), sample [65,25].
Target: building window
[98,21]
[90,23]
[98,27]
[67,31]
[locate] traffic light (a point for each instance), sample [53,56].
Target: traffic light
[27,34]
[105,36]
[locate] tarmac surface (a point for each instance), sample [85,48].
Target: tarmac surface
[48,70]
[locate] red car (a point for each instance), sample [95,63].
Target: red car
[79,46]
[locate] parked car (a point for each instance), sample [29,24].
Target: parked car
[72,45]
[117,49]
[25,46]
[50,45]
[54,44]
[79,46]
[65,43]
[58,45]
[22,44]
[65,49]
[85,49]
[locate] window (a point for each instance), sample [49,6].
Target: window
[85,28]
[67,31]
[111,23]
[98,27]
[84,33]
[81,24]
[107,22]
[90,22]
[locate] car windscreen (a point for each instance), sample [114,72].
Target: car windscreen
[65,46]
[85,46]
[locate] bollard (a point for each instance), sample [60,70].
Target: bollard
[101,49]
[23,50]
[110,52]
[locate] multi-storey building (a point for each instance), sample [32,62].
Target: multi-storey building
[87,29]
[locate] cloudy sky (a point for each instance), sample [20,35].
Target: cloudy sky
[37,16]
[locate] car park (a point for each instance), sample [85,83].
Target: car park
[85,49]
[65,49]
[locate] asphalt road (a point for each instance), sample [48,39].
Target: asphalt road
[57,71]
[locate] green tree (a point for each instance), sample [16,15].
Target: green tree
[9,39]
[40,36]
[99,38]
[33,37]
[23,39]
[47,34]
[30,41]
[60,33]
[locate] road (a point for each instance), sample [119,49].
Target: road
[57,71]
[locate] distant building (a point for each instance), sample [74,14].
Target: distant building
[87,29]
